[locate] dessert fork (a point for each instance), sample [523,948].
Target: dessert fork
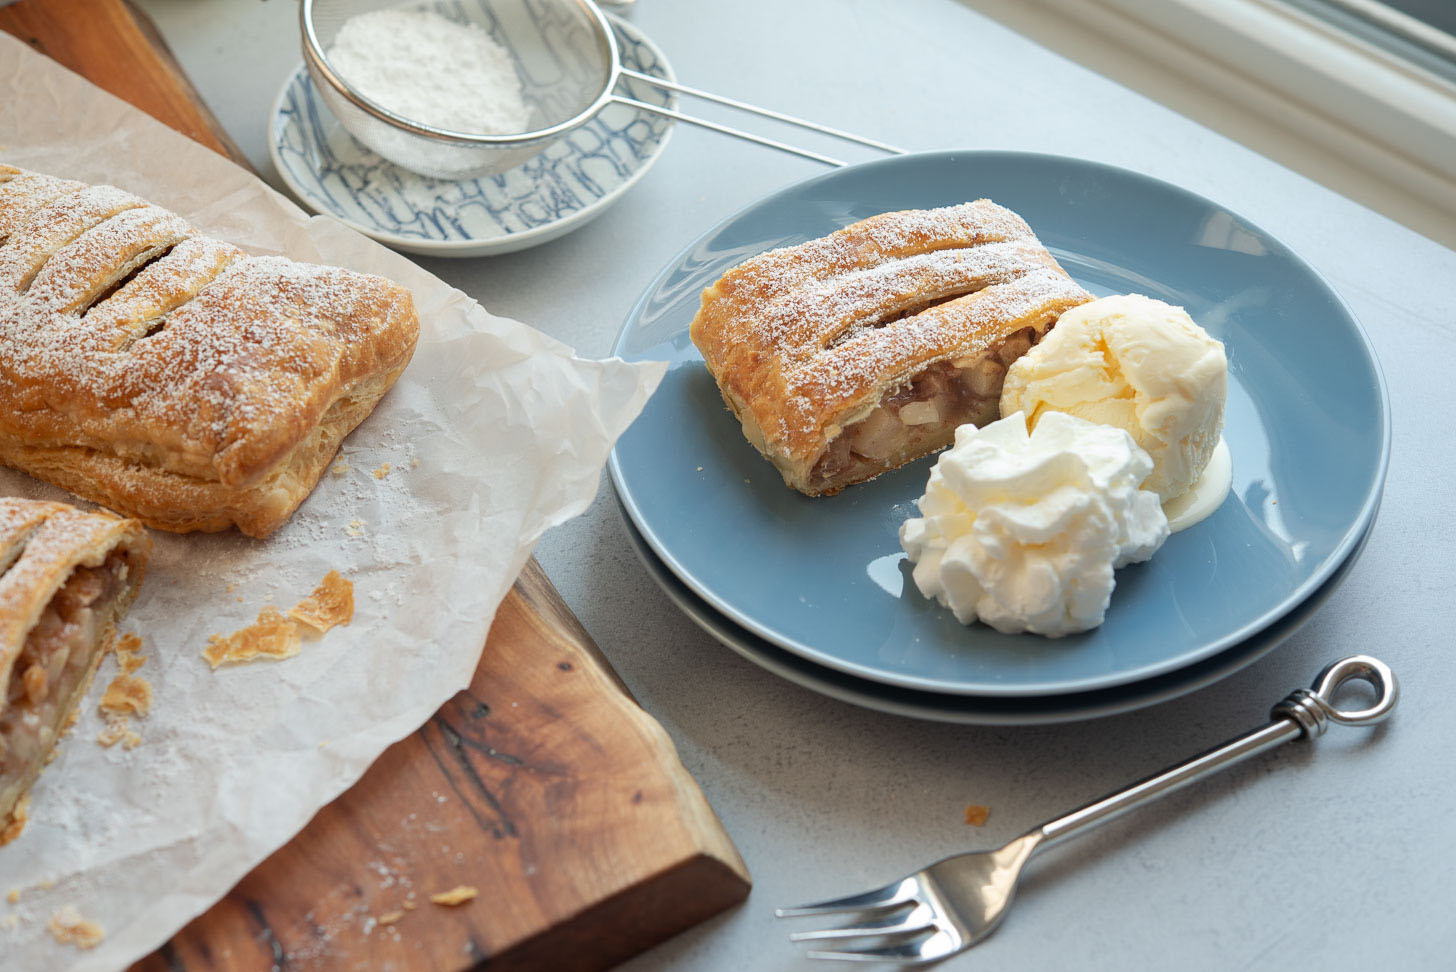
[957,902]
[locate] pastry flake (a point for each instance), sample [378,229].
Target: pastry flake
[127,695]
[66,577]
[330,604]
[455,896]
[852,354]
[69,928]
[113,732]
[271,636]
[171,376]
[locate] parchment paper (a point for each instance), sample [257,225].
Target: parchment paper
[494,434]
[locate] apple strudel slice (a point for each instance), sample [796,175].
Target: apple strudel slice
[855,353]
[170,376]
[66,578]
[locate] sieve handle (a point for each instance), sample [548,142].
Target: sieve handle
[725,129]
[755,109]
[743,106]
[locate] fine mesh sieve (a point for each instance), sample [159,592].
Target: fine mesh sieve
[570,69]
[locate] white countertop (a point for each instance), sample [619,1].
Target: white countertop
[1340,855]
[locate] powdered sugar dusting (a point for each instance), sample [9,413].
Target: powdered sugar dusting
[807,333]
[207,362]
[45,534]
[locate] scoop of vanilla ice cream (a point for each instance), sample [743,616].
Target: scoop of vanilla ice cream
[1135,363]
[1023,529]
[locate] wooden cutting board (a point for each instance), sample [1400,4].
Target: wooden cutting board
[544,786]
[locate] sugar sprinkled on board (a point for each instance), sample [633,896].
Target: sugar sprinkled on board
[431,69]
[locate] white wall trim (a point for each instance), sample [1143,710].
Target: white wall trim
[1347,96]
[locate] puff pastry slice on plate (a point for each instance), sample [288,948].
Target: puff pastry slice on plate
[66,577]
[170,376]
[855,353]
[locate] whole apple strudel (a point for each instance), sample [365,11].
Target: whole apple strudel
[170,376]
[855,353]
[66,578]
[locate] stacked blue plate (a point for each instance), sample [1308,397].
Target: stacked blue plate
[817,589]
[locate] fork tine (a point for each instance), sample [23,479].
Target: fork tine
[919,919]
[938,946]
[891,895]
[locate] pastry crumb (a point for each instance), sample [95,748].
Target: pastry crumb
[271,636]
[390,918]
[415,462]
[355,528]
[331,603]
[128,657]
[114,732]
[13,896]
[339,468]
[381,471]
[127,694]
[977,814]
[455,896]
[18,816]
[69,928]
[409,904]
[131,740]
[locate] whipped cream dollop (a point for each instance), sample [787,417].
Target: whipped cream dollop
[1138,364]
[1022,530]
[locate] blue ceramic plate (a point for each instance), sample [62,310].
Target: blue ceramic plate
[570,183]
[1069,707]
[1307,426]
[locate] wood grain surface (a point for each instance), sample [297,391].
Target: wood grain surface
[544,786]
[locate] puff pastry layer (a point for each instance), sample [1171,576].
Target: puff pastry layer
[855,353]
[171,376]
[66,577]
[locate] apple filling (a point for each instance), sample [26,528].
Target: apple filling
[54,667]
[920,416]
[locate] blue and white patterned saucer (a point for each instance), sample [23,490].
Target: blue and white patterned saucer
[566,186]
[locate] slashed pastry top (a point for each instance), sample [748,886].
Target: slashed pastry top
[66,576]
[127,336]
[805,336]
[40,545]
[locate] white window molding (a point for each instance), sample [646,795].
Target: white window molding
[1341,95]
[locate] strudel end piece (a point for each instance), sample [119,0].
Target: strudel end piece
[170,376]
[66,577]
[855,353]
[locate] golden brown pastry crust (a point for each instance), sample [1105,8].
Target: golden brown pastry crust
[806,340]
[41,545]
[171,376]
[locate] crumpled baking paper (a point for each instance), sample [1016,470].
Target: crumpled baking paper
[494,434]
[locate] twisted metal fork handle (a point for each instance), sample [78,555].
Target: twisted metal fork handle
[1303,714]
